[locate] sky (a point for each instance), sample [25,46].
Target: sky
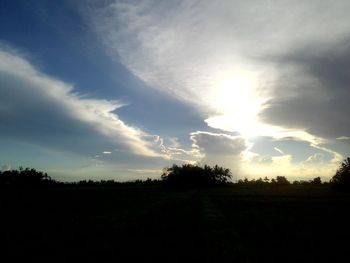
[121,89]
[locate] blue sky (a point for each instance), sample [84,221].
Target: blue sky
[122,89]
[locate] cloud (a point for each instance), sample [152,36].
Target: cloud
[221,149]
[313,166]
[40,110]
[45,111]
[261,159]
[218,143]
[184,47]
[206,53]
[275,68]
[270,166]
[343,138]
[317,158]
[311,91]
[279,150]
[6,167]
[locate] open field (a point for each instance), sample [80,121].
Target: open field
[232,224]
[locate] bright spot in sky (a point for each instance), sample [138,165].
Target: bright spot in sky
[236,99]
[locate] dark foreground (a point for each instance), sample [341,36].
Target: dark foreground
[143,223]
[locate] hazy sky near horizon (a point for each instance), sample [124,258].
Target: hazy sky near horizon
[120,89]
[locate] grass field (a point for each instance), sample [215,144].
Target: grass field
[128,223]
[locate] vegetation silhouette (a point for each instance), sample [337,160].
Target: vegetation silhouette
[279,180]
[25,177]
[315,181]
[189,175]
[341,179]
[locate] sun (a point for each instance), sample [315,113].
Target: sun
[237,102]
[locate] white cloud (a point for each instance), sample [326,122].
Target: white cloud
[279,150]
[257,159]
[234,61]
[222,149]
[206,53]
[313,166]
[217,54]
[343,138]
[218,143]
[317,158]
[42,110]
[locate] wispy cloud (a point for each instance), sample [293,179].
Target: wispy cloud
[279,150]
[277,69]
[343,138]
[213,53]
[42,110]
[219,148]
[313,166]
[6,167]
[317,158]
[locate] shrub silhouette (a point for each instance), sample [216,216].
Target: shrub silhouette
[24,177]
[189,175]
[281,180]
[316,181]
[341,179]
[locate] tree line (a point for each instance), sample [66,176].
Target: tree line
[186,175]
[280,180]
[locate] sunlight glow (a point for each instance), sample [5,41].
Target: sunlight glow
[236,99]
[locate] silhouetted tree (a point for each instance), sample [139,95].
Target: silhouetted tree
[341,179]
[189,175]
[316,180]
[24,177]
[281,180]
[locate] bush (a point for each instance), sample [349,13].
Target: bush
[341,179]
[280,180]
[189,175]
[24,177]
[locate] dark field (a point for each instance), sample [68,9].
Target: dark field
[127,223]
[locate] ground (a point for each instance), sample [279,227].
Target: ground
[127,223]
